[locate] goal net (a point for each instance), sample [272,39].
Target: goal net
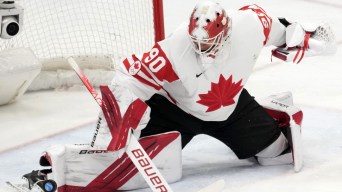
[97,33]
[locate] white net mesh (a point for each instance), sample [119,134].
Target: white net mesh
[59,28]
[324,33]
[98,32]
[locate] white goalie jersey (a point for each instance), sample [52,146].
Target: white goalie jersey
[204,87]
[207,89]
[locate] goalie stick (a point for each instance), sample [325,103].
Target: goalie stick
[134,146]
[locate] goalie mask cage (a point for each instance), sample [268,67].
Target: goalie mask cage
[97,33]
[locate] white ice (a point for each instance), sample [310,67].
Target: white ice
[46,118]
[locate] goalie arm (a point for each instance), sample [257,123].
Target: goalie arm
[294,39]
[136,80]
[146,74]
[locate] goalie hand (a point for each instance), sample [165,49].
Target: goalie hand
[308,41]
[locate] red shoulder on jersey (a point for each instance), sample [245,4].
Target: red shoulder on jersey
[153,69]
[265,20]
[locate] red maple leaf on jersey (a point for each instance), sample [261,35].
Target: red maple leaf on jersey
[221,94]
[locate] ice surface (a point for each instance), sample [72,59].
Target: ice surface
[315,84]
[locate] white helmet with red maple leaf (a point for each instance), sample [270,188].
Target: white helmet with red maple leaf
[209,28]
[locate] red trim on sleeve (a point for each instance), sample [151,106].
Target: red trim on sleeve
[159,64]
[153,69]
[134,67]
[265,20]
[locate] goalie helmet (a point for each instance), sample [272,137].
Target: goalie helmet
[209,28]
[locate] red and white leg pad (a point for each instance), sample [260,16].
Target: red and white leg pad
[80,168]
[281,108]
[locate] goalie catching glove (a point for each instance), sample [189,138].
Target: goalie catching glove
[308,40]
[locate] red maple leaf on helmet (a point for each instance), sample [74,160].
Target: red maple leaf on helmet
[221,94]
